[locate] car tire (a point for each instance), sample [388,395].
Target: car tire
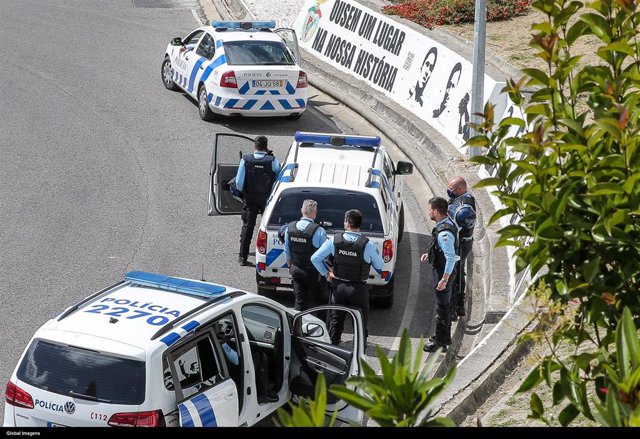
[294,116]
[385,301]
[401,224]
[167,75]
[203,105]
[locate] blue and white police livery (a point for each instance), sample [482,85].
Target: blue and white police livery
[340,172]
[154,350]
[238,68]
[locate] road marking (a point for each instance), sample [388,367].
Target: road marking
[195,15]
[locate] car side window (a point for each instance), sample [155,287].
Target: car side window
[192,39]
[207,47]
[195,367]
[387,164]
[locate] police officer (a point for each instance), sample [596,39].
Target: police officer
[301,239]
[462,211]
[256,174]
[442,257]
[353,256]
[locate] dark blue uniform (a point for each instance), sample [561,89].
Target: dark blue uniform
[462,211]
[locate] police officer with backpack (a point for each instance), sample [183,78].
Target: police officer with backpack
[301,240]
[256,174]
[442,256]
[462,211]
[353,256]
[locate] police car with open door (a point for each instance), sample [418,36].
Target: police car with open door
[247,68]
[154,350]
[340,172]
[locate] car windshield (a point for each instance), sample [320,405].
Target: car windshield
[261,53]
[332,205]
[69,370]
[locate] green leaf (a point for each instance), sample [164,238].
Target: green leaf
[558,393]
[631,183]
[538,77]
[618,46]
[596,25]
[578,29]
[481,141]
[488,182]
[627,344]
[605,189]
[537,409]
[533,379]
[352,398]
[591,269]
[567,415]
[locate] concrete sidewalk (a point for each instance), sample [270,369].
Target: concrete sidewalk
[484,342]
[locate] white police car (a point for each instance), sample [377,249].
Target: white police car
[154,350]
[340,172]
[238,68]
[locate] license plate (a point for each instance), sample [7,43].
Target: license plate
[269,83]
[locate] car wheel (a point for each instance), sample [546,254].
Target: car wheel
[203,106]
[167,75]
[294,116]
[401,224]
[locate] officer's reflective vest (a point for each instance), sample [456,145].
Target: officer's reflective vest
[462,211]
[348,259]
[258,179]
[436,255]
[301,245]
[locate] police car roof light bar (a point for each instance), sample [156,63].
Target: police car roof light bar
[168,283]
[166,328]
[337,139]
[88,299]
[243,25]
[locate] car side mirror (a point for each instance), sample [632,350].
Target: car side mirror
[177,41]
[312,330]
[404,168]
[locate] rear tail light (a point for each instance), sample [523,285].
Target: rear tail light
[137,419]
[387,250]
[274,280]
[262,266]
[261,242]
[228,79]
[386,275]
[302,80]
[14,395]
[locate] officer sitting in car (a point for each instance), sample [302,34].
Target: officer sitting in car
[301,240]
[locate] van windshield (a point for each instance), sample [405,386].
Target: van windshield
[332,205]
[69,370]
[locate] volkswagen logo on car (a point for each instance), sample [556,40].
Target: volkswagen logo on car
[70,408]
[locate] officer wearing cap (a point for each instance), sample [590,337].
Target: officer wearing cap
[256,174]
[462,211]
[301,240]
[442,257]
[353,256]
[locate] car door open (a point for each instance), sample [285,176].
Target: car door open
[205,397]
[313,354]
[228,149]
[291,41]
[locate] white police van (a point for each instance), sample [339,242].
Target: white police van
[340,172]
[154,350]
[238,68]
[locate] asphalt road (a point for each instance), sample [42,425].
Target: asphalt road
[103,170]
